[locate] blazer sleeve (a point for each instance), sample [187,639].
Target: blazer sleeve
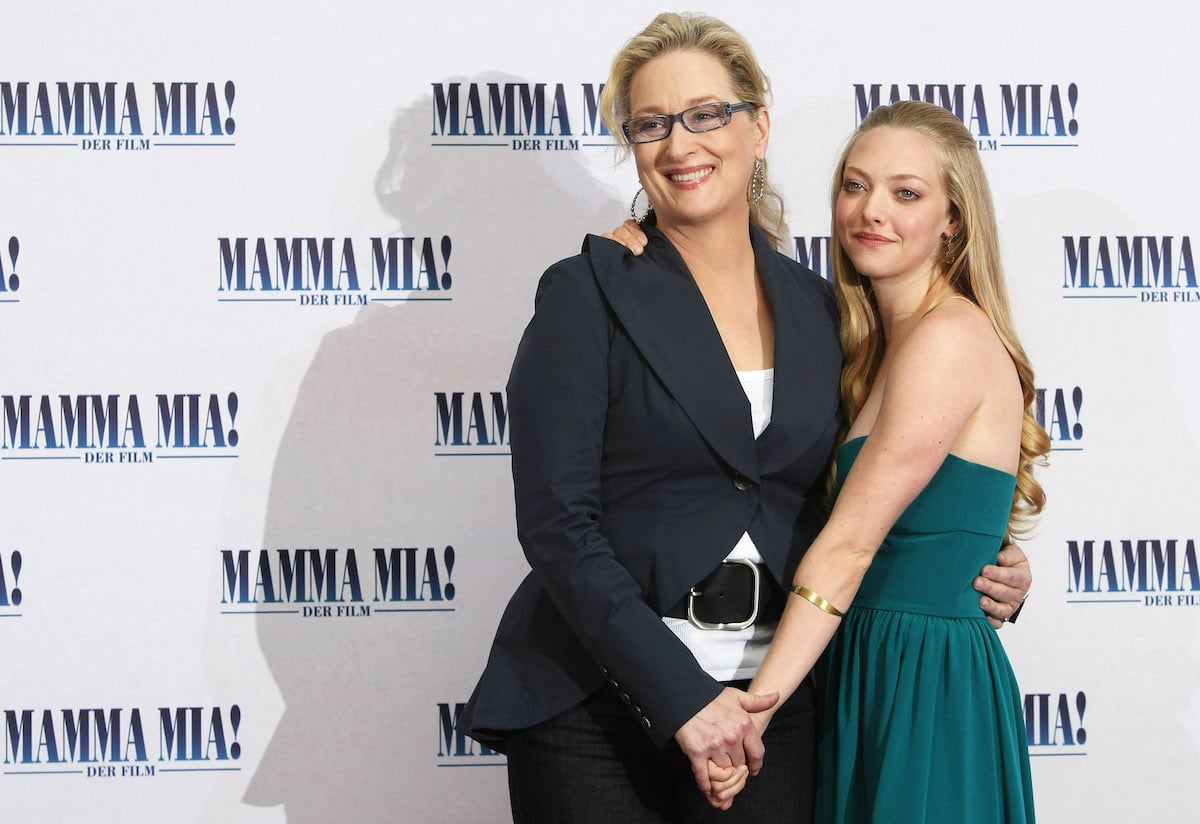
[558,401]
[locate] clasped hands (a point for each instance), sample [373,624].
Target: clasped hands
[724,744]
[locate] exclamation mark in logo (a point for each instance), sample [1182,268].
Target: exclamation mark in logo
[13,282]
[449,588]
[232,406]
[14,597]
[235,720]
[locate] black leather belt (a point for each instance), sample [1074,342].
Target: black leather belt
[733,596]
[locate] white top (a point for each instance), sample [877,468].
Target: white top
[730,655]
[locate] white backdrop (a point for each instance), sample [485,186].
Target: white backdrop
[255,503]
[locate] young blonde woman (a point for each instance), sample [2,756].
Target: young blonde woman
[922,718]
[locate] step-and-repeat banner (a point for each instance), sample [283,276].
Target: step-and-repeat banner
[263,267]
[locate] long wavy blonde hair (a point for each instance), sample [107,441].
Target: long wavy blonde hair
[670,32]
[974,271]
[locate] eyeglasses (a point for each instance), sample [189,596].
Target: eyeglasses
[702,118]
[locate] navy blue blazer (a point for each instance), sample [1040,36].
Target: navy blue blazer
[636,470]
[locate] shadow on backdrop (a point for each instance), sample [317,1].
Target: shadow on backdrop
[358,739]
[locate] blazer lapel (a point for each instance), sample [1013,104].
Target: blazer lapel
[658,303]
[805,355]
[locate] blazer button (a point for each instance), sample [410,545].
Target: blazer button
[741,483]
[646,723]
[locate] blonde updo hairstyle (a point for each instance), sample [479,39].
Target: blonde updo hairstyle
[974,271]
[670,32]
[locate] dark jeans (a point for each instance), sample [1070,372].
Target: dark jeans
[594,763]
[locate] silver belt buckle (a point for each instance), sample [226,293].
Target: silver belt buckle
[692,593]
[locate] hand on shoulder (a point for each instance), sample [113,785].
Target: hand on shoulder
[630,235]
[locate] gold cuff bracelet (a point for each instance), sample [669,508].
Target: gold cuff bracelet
[817,601]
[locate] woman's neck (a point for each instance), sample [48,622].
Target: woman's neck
[717,248]
[903,304]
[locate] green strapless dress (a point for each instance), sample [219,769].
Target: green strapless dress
[921,715]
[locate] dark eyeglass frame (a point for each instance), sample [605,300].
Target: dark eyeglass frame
[727,110]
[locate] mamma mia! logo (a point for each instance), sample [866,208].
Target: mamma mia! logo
[116,116]
[1153,572]
[1010,115]
[455,748]
[335,583]
[328,271]
[813,252]
[1144,268]
[1054,723]
[11,564]
[118,429]
[518,116]
[10,281]
[1058,410]
[470,424]
[121,742]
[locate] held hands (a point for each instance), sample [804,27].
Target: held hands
[1005,586]
[726,782]
[630,235]
[725,734]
